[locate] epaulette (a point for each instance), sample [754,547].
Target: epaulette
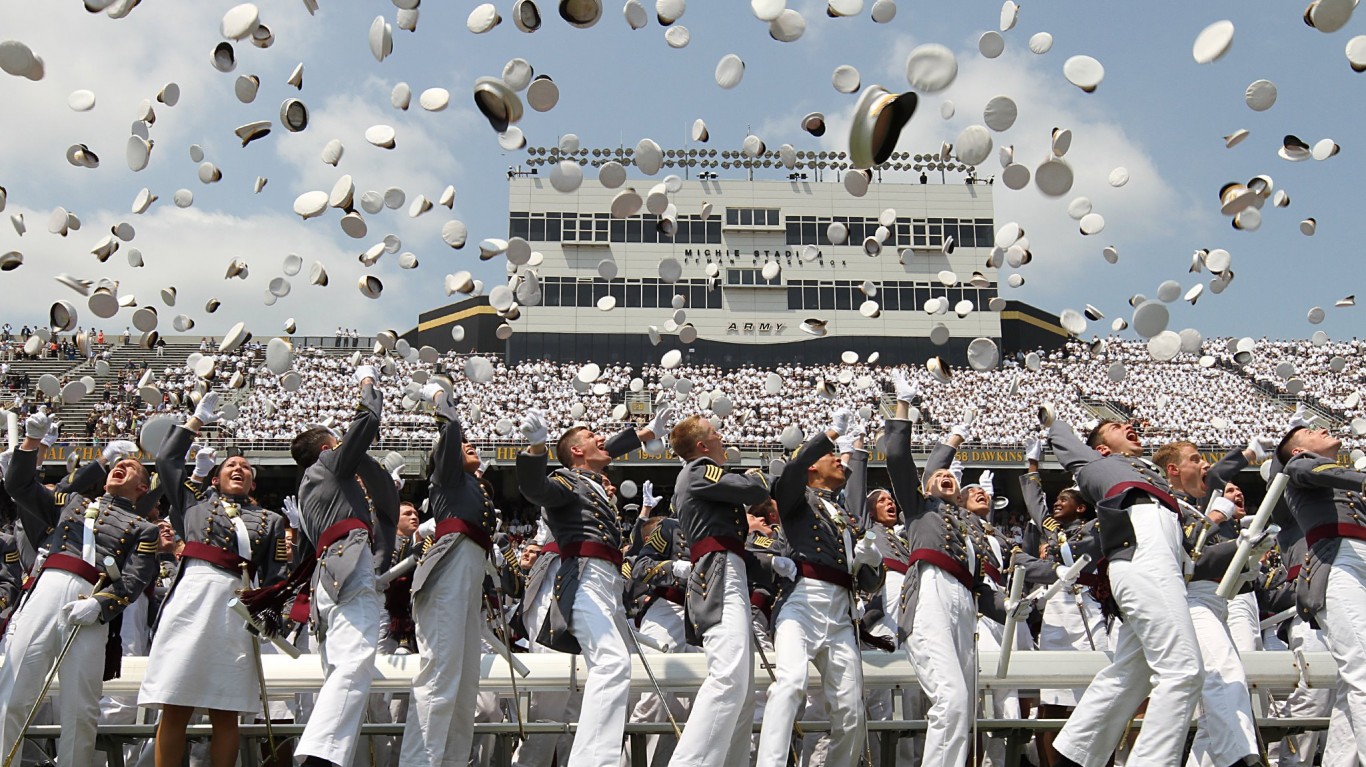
[282,550]
[11,557]
[1324,467]
[626,569]
[510,556]
[562,481]
[61,499]
[147,547]
[713,473]
[763,541]
[1050,524]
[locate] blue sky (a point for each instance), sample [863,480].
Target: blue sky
[1157,113]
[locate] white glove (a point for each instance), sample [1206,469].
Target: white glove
[430,390]
[291,512]
[1222,506]
[956,469]
[398,480]
[662,422]
[1302,417]
[1261,544]
[118,450]
[1261,448]
[82,612]
[964,425]
[365,371]
[37,425]
[204,461]
[648,499]
[682,568]
[1061,570]
[427,529]
[784,567]
[207,409]
[534,427]
[988,481]
[866,553]
[1034,450]
[845,444]
[905,390]
[52,433]
[839,421]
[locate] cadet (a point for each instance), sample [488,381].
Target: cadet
[80,535]
[1327,502]
[938,612]
[228,539]
[1140,535]
[710,504]
[586,614]
[447,588]
[815,620]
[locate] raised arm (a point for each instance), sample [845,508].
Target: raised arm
[856,487]
[364,427]
[1035,501]
[728,487]
[448,461]
[625,441]
[901,468]
[791,486]
[38,508]
[549,492]
[171,471]
[1072,453]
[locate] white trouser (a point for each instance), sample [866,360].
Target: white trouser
[1226,731]
[882,708]
[1066,620]
[814,625]
[1245,622]
[440,725]
[37,636]
[662,623]
[1005,704]
[546,706]
[720,723]
[350,633]
[597,619]
[945,660]
[1343,619]
[1155,641]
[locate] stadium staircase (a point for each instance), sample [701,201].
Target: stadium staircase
[1106,409]
[63,369]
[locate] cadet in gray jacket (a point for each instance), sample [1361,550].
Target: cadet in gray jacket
[1140,536]
[815,621]
[80,534]
[586,614]
[710,503]
[1329,503]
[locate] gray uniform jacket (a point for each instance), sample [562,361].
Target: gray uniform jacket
[764,583]
[1221,542]
[206,521]
[649,566]
[87,481]
[936,533]
[455,495]
[579,513]
[817,539]
[710,503]
[347,484]
[11,575]
[1328,502]
[119,532]
[1111,484]
[1063,544]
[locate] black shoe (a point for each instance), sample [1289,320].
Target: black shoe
[316,761]
[1062,761]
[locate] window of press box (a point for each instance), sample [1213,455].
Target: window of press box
[649,293]
[753,217]
[601,227]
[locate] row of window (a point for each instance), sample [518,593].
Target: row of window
[844,295]
[753,217]
[602,228]
[750,277]
[905,233]
[928,233]
[635,293]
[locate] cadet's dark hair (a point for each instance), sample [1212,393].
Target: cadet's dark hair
[1093,436]
[307,446]
[568,440]
[1075,495]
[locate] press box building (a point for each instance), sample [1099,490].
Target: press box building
[740,316]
